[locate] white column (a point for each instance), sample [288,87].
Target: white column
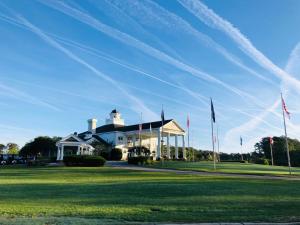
[133,140]
[176,146]
[168,146]
[58,153]
[62,152]
[78,150]
[183,148]
[158,144]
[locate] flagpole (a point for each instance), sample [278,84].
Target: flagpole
[242,153]
[286,140]
[213,144]
[218,144]
[150,144]
[271,148]
[188,126]
[212,133]
[162,134]
[140,137]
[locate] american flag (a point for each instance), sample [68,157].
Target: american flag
[285,108]
[271,140]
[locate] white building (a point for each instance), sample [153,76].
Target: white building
[117,135]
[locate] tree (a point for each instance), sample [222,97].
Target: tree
[101,149]
[262,150]
[41,146]
[2,146]
[116,154]
[13,148]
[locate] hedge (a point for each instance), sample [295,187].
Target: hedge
[84,160]
[116,154]
[140,160]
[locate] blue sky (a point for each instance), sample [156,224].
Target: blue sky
[62,63]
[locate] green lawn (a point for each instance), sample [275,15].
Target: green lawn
[121,195]
[243,168]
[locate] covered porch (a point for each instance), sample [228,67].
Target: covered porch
[159,140]
[72,145]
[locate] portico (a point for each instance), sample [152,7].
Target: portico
[168,131]
[72,145]
[155,136]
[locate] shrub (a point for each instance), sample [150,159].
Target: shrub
[262,161]
[33,163]
[84,160]
[116,154]
[266,162]
[105,155]
[140,160]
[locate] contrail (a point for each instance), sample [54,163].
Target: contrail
[149,13]
[109,58]
[126,21]
[22,96]
[293,61]
[85,97]
[50,41]
[210,18]
[129,40]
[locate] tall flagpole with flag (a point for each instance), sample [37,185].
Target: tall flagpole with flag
[213,120]
[285,111]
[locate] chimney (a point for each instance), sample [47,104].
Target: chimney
[92,124]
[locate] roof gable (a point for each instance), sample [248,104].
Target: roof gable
[71,138]
[173,127]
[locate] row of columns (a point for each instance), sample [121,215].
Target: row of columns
[158,152]
[60,152]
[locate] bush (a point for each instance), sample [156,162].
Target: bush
[116,154]
[266,162]
[140,160]
[105,155]
[262,161]
[33,163]
[84,160]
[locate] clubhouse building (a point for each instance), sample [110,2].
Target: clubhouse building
[115,134]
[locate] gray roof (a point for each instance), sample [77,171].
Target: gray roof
[122,128]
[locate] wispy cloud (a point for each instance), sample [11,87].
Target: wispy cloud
[151,14]
[24,97]
[129,40]
[209,17]
[255,122]
[138,104]
[104,56]
[125,21]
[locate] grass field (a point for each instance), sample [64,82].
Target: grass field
[227,167]
[121,195]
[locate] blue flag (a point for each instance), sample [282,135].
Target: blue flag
[162,117]
[213,116]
